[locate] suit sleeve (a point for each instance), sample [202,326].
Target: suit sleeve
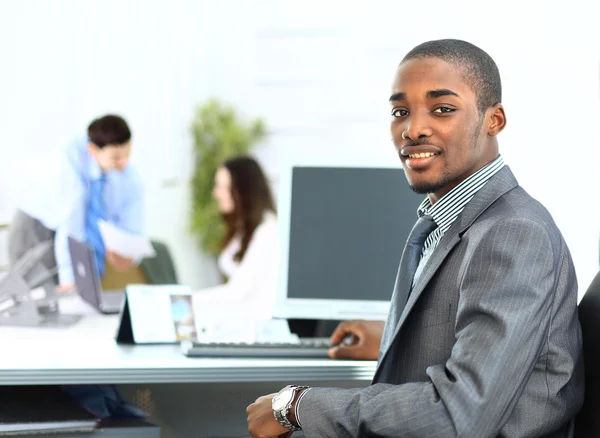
[503,316]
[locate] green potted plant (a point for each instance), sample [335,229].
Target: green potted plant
[218,134]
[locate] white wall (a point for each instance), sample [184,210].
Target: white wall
[319,72]
[66,62]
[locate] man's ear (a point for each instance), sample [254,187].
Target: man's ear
[93,149]
[497,120]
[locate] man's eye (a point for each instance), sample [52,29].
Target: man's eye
[399,113]
[443,110]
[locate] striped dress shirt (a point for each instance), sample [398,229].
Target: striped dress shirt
[447,209]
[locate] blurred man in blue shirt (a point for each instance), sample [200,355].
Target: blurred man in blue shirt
[96,183]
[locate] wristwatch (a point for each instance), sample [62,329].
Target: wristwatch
[282,403]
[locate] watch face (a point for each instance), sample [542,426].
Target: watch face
[282,398]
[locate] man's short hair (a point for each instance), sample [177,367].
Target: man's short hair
[479,69]
[109,130]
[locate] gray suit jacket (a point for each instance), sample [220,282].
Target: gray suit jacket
[487,345]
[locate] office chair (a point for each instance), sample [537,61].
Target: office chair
[160,269]
[587,423]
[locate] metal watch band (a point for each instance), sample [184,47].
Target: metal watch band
[282,415]
[285,422]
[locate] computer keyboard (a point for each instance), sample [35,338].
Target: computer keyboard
[307,348]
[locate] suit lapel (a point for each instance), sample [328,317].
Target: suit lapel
[448,242]
[498,185]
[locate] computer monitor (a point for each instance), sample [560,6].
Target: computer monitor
[342,232]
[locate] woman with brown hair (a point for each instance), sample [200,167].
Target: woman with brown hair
[250,247]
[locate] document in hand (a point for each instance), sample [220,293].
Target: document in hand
[125,243]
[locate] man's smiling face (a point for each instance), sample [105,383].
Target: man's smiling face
[437,128]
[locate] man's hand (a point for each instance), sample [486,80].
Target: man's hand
[262,422]
[120,263]
[366,339]
[65,287]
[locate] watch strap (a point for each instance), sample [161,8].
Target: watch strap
[282,415]
[283,420]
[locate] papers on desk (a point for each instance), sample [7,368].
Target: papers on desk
[44,428]
[223,326]
[125,243]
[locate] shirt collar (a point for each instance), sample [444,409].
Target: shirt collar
[94,169]
[445,211]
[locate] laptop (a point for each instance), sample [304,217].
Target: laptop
[87,279]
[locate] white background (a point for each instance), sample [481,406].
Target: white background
[318,72]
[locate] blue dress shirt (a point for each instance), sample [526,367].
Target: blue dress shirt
[66,213]
[94,212]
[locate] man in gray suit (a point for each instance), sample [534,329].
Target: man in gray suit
[482,338]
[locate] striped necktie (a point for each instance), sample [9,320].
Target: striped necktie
[406,275]
[95,211]
[412,253]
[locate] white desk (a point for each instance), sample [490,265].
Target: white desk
[207,396]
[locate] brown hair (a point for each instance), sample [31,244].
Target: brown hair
[109,130]
[252,198]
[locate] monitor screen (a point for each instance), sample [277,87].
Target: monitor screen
[343,232]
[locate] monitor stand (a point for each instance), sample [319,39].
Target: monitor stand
[19,309]
[313,328]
